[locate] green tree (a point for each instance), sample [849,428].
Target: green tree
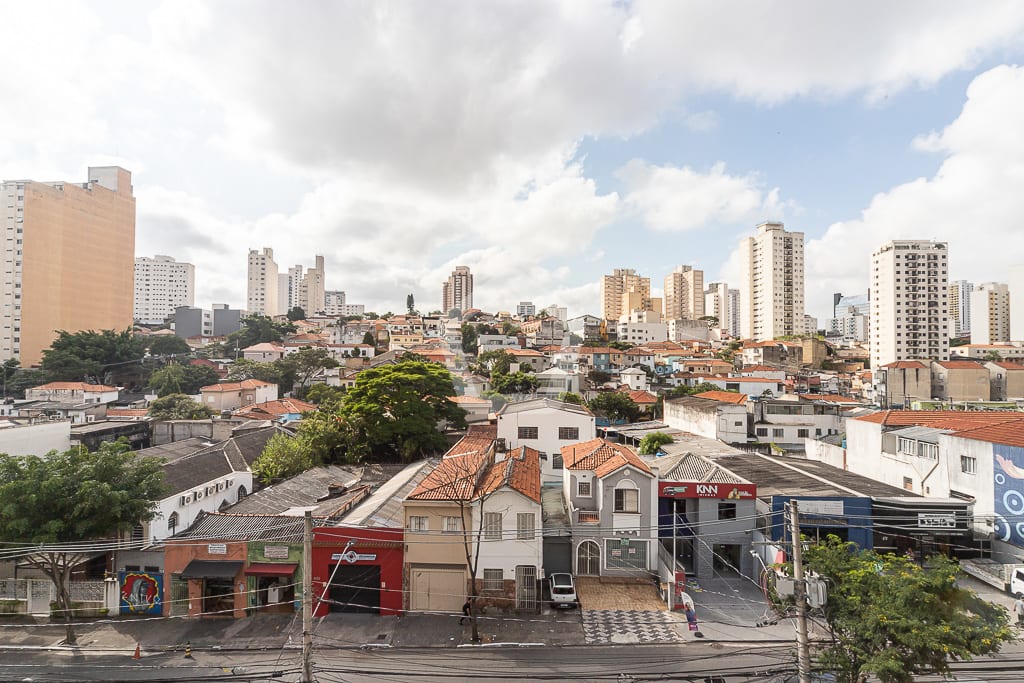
[57,502]
[893,619]
[300,367]
[515,383]
[992,356]
[244,368]
[496,362]
[325,395]
[652,442]
[683,390]
[599,376]
[23,379]
[168,345]
[178,407]
[620,345]
[8,370]
[410,303]
[393,411]
[257,329]
[616,406]
[86,355]
[368,339]
[509,328]
[295,313]
[283,457]
[569,397]
[469,338]
[182,379]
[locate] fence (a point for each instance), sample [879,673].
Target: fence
[34,596]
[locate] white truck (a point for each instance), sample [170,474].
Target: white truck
[1007,577]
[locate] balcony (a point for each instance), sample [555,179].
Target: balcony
[588,517]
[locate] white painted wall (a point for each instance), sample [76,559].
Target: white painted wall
[510,552]
[547,421]
[36,439]
[203,498]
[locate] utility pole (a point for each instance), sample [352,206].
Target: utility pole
[803,649]
[307,598]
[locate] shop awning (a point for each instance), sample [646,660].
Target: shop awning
[211,569]
[270,569]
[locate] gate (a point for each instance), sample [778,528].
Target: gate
[179,595]
[526,587]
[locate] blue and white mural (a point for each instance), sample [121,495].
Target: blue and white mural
[1008,493]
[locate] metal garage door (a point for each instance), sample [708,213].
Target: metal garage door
[355,588]
[438,590]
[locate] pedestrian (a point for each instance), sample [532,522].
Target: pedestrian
[1018,609]
[465,613]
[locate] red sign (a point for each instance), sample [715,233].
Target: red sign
[685,489]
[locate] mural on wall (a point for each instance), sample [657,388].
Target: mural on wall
[140,592]
[1008,493]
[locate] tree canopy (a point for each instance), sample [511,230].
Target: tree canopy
[257,329]
[295,313]
[469,338]
[894,619]
[299,368]
[570,397]
[168,345]
[182,379]
[74,496]
[515,383]
[616,406]
[651,443]
[79,356]
[284,456]
[683,390]
[178,407]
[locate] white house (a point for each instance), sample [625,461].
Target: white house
[72,392]
[635,378]
[545,425]
[721,417]
[554,381]
[265,352]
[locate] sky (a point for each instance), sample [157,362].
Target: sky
[542,143]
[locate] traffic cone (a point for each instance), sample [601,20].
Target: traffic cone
[188,649]
[138,652]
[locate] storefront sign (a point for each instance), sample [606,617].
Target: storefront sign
[682,489]
[140,592]
[275,552]
[821,507]
[352,557]
[933,520]
[217,549]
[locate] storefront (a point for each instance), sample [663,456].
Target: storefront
[357,569]
[848,517]
[921,527]
[274,576]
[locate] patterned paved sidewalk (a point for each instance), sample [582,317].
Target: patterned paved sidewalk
[618,627]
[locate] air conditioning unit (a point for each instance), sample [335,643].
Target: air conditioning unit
[197,495]
[183,501]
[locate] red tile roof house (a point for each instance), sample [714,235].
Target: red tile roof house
[234,395]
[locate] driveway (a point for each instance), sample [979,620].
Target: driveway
[597,594]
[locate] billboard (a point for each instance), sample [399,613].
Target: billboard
[690,489]
[141,592]
[1008,493]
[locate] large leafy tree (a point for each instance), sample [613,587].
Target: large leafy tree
[299,368]
[515,383]
[284,456]
[53,503]
[178,407]
[894,620]
[253,369]
[393,411]
[77,356]
[469,338]
[616,406]
[182,379]
[168,345]
[257,329]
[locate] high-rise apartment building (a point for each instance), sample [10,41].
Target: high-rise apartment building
[162,285]
[772,288]
[909,302]
[261,297]
[734,313]
[525,309]
[69,259]
[990,313]
[716,303]
[684,294]
[311,290]
[960,306]
[334,304]
[457,291]
[852,321]
[615,291]
[289,287]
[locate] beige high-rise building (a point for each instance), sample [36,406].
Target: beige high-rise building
[960,306]
[716,303]
[772,286]
[684,294]
[457,291]
[262,293]
[311,290]
[69,261]
[990,313]
[161,285]
[909,302]
[616,287]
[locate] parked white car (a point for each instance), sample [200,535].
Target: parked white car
[563,590]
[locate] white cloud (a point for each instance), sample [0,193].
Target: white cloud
[973,201]
[677,199]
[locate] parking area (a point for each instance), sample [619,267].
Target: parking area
[610,594]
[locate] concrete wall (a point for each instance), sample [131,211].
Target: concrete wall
[36,439]
[547,421]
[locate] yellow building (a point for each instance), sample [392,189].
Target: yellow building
[70,259]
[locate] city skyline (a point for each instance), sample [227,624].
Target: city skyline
[654,129]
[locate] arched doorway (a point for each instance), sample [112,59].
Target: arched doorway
[588,559]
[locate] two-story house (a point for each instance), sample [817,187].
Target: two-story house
[234,395]
[611,496]
[545,425]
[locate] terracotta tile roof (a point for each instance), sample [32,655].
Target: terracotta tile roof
[724,396]
[523,352]
[831,398]
[643,397]
[74,386]
[469,400]
[601,456]
[455,477]
[235,386]
[954,420]
[282,406]
[127,412]
[906,365]
[487,431]
[760,368]
[1006,365]
[265,346]
[1009,433]
[520,471]
[960,364]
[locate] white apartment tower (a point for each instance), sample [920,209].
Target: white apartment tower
[772,289]
[457,291]
[289,285]
[621,290]
[311,289]
[909,302]
[684,294]
[262,292]
[734,313]
[990,313]
[716,303]
[161,285]
[960,306]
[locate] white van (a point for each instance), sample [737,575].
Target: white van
[1017,582]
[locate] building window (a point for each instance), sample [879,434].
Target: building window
[726,510]
[494,579]
[908,483]
[527,432]
[568,433]
[418,523]
[583,489]
[557,462]
[777,432]
[803,433]
[525,526]
[172,522]
[762,431]
[452,525]
[627,500]
[625,553]
[492,526]
[968,464]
